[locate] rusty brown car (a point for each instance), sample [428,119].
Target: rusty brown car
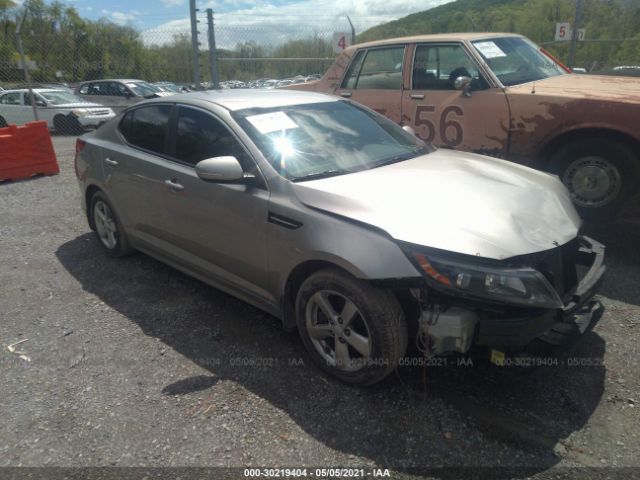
[501,95]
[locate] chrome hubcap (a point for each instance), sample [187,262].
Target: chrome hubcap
[105,224]
[592,181]
[338,331]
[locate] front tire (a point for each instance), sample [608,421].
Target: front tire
[599,173]
[107,227]
[353,331]
[3,123]
[67,125]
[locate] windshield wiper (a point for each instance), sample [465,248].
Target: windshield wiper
[398,158]
[319,175]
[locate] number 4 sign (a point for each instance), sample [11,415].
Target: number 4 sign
[340,41]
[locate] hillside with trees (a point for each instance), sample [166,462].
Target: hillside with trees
[612,26]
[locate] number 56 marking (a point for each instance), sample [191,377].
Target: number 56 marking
[426,129]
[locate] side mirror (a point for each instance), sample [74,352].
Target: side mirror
[41,103]
[220,169]
[463,84]
[410,130]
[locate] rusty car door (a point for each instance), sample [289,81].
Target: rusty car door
[478,122]
[374,78]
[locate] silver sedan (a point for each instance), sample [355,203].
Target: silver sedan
[345,226]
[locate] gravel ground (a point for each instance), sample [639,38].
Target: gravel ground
[128,362]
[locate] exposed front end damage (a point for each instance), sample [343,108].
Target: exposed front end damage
[458,323]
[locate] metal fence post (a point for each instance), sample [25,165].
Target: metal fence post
[353,31]
[195,52]
[215,83]
[574,34]
[27,75]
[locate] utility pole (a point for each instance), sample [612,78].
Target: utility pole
[23,59]
[353,31]
[212,51]
[574,34]
[195,52]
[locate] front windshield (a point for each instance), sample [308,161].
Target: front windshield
[61,98]
[317,140]
[515,60]
[142,89]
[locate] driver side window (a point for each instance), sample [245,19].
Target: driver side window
[200,136]
[436,67]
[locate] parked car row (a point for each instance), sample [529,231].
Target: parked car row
[269,82]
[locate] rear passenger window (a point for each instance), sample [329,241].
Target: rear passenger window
[380,70]
[146,127]
[200,136]
[84,89]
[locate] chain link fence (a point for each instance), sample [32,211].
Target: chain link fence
[65,49]
[62,48]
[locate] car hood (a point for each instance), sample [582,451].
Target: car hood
[81,105]
[626,89]
[455,201]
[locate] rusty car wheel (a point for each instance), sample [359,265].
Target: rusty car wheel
[599,173]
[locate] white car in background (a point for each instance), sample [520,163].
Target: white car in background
[63,111]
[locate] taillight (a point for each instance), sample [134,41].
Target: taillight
[80,144]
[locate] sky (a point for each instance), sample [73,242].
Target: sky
[267,21]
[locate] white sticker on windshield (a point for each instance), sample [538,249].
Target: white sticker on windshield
[489,49]
[272,122]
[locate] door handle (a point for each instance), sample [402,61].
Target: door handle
[174,185]
[417,96]
[345,94]
[111,162]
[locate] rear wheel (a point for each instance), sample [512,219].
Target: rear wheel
[353,331]
[108,227]
[599,173]
[67,125]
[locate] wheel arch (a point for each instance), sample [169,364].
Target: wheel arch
[543,158]
[293,283]
[88,195]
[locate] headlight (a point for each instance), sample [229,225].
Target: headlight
[80,112]
[517,286]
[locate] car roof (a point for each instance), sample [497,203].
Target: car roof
[437,37]
[37,90]
[123,80]
[240,99]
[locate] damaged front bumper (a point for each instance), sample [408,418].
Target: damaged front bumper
[459,327]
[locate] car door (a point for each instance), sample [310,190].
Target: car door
[45,112]
[478,122]
[374,78]
[134,170]
[218,229]
[13,109]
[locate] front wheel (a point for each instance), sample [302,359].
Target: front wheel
[353,331]
[599,174]
[3,122]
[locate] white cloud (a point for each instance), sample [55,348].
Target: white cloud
[172,3]
[121,18]
[269,25]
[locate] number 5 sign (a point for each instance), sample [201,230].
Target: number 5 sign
[340,41]
[563,31]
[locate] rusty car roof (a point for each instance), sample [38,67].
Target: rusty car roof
[437,37]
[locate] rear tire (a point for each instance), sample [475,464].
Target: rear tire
[67,125]
[107,227]
[353,331]
[599,173]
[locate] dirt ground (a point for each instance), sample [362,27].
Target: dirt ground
[130,363]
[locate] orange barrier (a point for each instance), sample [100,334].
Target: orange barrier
[26,151]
